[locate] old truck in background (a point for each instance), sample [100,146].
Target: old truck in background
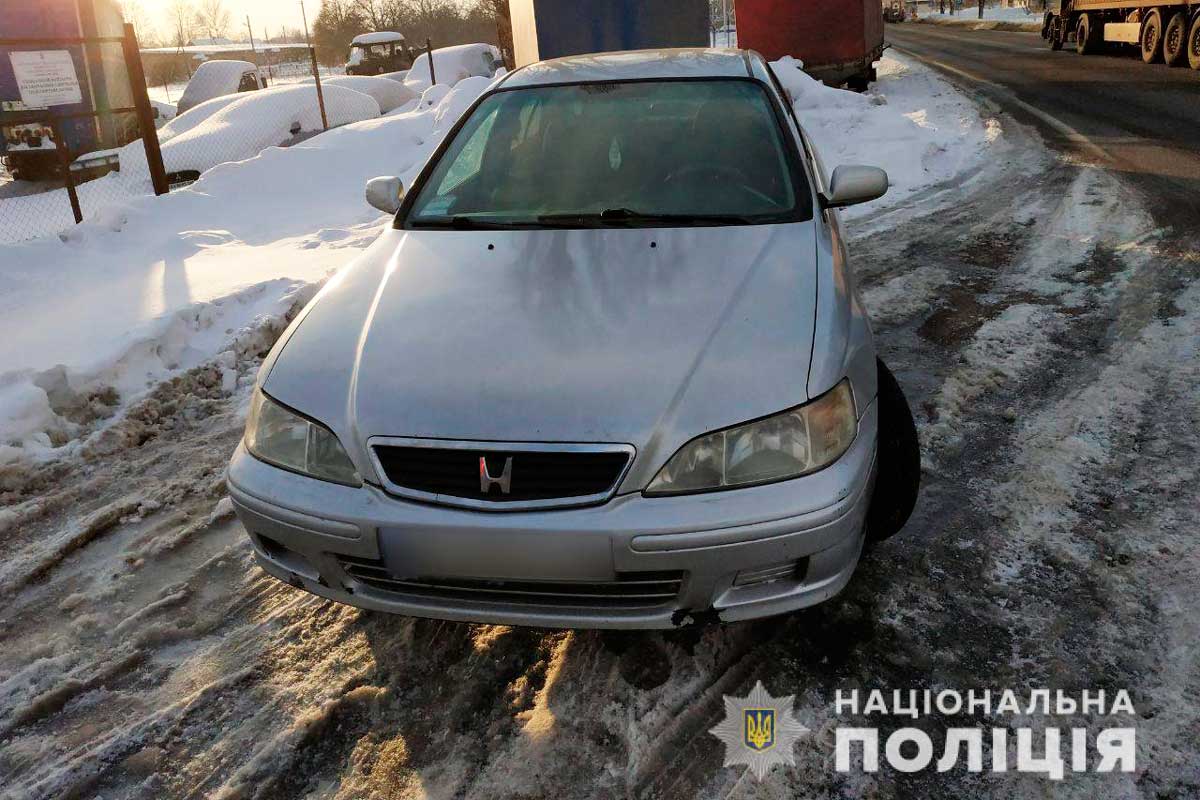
[839,41]
[378,53]
[1166,30]
[27,142]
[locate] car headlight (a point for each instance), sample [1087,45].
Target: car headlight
[786,445]
[286,439]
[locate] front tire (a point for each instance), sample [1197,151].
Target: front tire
[898,481]
[1085,37]
[1152,37]
[1055,32]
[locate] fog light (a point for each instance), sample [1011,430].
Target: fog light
[793,570]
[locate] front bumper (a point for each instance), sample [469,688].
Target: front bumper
[804,535]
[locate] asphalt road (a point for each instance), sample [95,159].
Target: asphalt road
[1139,120]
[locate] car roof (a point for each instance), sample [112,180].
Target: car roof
[378,37]
[629,65]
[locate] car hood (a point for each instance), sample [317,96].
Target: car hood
[646,337]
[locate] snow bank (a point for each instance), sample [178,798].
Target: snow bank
[990,13]
[159,285]
[388,93]
[237,127]
[229,128]
[911,123]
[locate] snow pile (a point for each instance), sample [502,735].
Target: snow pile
[239,126]
[157,286]
[453,64]
[911,123]
[377,37]
[233,127]
[389,94]
[992,13]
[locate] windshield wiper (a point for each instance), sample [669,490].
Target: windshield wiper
[628,217]
[463,223]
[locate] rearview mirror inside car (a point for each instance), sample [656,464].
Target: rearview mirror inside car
[385,193]
[851,185]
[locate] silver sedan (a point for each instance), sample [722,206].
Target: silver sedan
[608,368]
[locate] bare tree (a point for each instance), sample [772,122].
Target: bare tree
[336,24]
[213,19]
[135,14]
[381,15]
[180,19]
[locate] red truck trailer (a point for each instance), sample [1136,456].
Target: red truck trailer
[839,41]
[1164,30]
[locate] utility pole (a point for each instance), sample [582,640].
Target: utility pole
[981,9]
[250,30]
[267,52]
[312,52]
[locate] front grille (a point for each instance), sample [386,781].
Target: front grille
[533,475]
[628,590]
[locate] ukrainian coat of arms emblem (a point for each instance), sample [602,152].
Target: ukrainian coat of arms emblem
[759,731]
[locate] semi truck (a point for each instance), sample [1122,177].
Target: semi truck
[27,143]
[1164,31]
[839,41]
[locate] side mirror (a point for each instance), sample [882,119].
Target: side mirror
[851,185]
[385,194]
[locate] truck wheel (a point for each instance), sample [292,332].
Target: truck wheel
[1152,30]
[1085,37]
[898,481]
[1175,39]
[1193,48]
[858,83]
[1055,34]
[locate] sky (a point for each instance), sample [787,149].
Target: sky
[274,14]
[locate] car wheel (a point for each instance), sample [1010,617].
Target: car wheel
[1193,48]
[1175,40]
[1152,30]
[898,481]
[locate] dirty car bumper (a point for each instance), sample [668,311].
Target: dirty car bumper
[634,562]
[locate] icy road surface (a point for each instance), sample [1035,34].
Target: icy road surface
[1045,328]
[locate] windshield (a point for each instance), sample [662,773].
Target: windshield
[360,51]
[656,153]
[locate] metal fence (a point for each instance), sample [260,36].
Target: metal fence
[64,165]
[61,160]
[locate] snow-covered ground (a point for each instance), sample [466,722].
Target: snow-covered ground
[152,287]
[991,14]
[912,123]
[155,286]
